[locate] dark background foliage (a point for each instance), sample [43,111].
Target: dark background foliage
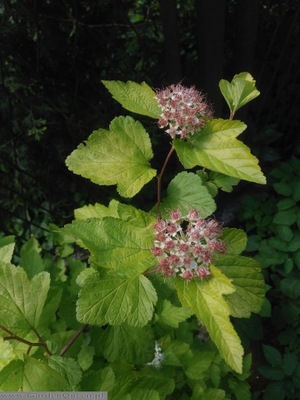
[53,56]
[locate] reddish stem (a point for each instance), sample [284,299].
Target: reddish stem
[159,179]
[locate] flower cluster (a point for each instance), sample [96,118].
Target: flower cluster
[184,110]
[184,245]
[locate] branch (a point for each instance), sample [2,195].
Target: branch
[12,336]
[72,340]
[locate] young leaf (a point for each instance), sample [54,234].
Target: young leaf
[206,300]
[221,152]
[223,182]
[115,243]
[239,91]
[31,375]
[135,97]
[119,156]
[186,192]
[21,300]
[115,301]
[245,274]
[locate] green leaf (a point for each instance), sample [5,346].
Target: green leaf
[85,356]
[7,353]
[287,217]
[174,352]
[116,301]
[135,345]
[235,240]
[172,315]
[272,355]
[245,274]
[144,394]
[135,97]
[67,368]
[31,260]
[290,287]
[275,390]
[7,246]
[206,299]
[31,375]
[290,362]
[186,192]
[239,91]
[220,151]
[21,300]
[97,211]
[119,156]
[153,379]
[223,182]
[116,244]
[197,365]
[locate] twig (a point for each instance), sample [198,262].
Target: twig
[159,179]
[72,340]
[12,336]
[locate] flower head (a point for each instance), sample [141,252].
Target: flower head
[184,245]
[184,110]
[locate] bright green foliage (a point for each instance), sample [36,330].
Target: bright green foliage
[186,192]
[115,300]
[206,300]
[104,160]
[22,300]
[235,239]
[246,276]
[215,181]
[116,244]
[134,97]
[239,91]
[215,147]
[31,375]
[120,325]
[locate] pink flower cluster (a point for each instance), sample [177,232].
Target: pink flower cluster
[184,245]
[184,110]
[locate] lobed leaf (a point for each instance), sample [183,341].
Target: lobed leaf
[31,375]
[116,244]
[235,240]
[134,97]
[135,345]
[212,149]
[119,156]
[21,300]
[245,274]
[186,192]
[239,91]
[116,301]
[207,301]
